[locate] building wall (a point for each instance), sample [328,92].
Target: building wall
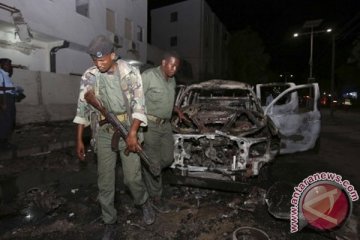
[49,96]
[199,34]
[187,29]
[53,96]
[53,21]
[154,55]
[214,46]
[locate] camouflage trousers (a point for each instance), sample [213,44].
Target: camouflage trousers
[131,167]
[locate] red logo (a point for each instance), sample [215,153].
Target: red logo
[325,206]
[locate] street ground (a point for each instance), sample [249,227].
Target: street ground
[51,196]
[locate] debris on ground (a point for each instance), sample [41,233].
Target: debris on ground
[278,199]
[59,201]
[250,233]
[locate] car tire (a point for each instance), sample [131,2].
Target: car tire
[264,178]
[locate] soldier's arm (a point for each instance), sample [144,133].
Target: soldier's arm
[131,139]
[82,118]
[137,98]
[80,147]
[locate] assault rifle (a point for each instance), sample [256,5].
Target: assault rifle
[120,131]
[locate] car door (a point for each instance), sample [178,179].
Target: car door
[295,113]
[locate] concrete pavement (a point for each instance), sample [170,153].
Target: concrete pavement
[40,138]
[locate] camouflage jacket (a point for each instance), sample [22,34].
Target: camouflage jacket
[131,85]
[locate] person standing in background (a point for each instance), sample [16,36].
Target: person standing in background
[7,104]
[159,89]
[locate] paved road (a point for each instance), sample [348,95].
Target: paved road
[339,151]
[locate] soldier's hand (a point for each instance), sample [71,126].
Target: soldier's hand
[80,150]
[132,143]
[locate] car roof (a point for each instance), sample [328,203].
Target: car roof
[220,83]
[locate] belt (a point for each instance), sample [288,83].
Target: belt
[122,117]
[157,120]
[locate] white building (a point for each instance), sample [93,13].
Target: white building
[60,31]
[193,30]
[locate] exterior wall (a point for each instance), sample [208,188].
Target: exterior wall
[214,46]
[53,96]
[49,96]
[154,55]
[51,22]
[199,34]
[187,29]
[28,58]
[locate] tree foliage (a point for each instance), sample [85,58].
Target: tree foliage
[347,74]
[355,53]
[248,60]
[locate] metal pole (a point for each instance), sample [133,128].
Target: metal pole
[332,109]
[311,53]
[332,64]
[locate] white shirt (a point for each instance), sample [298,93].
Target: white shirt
[4,77]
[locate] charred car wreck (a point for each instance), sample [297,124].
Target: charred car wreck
[227,136]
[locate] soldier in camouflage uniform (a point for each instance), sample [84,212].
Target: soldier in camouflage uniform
[118,86]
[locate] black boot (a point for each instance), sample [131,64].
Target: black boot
[109,232]
[148,213]
[160,205]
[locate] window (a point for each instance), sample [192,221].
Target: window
[110,20]
[305,99]
[128,29]
[139,33]
[173,17]
[173,41]
[82,7]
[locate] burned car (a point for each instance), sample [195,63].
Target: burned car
[231,132]
[294,111]
[226,135]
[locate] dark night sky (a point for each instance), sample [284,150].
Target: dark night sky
[277,20]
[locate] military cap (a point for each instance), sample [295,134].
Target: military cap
[100,46]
